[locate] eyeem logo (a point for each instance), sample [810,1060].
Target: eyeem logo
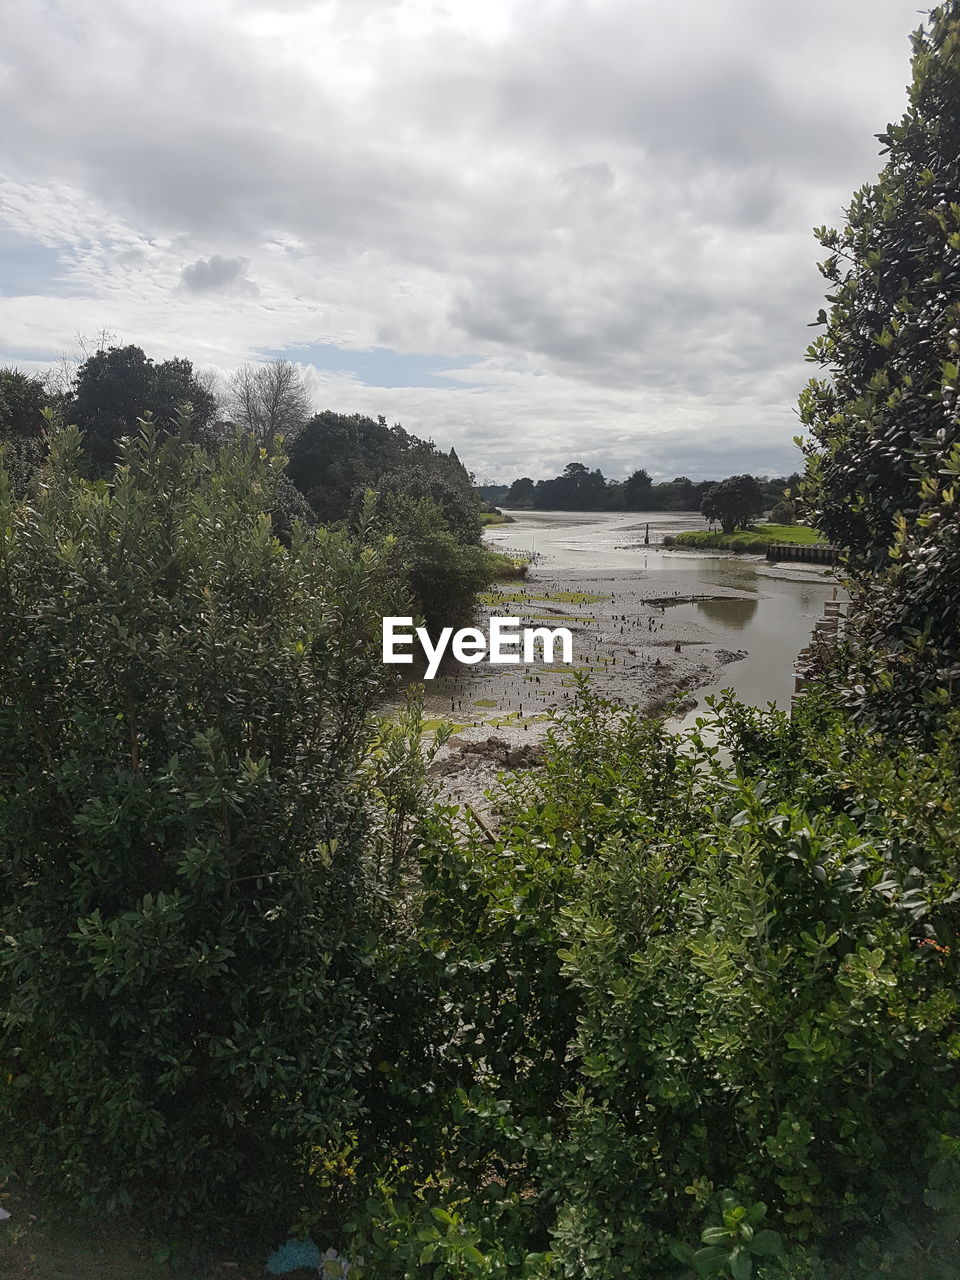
[508,643]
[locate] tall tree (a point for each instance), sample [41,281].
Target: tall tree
[117,386]
[637,489]
[269,400]
[734,502]
[520,493]
[884,454]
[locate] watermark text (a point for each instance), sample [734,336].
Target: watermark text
[506,643]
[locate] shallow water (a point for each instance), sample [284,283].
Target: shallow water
[768,611]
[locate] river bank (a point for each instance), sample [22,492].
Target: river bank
[650,627]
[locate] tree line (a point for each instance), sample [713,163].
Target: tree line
[577,488]
[423,496]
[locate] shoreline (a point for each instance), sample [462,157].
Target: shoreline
[626,640]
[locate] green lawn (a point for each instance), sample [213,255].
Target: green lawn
[496,517]
[756,539]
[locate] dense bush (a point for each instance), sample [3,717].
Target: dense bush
[668,977]
[784,512]
[114,388]
[442,572]
[186,1008]
[23,425]
[884,452]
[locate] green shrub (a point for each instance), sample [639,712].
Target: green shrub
[784,512]
[669,976]
[185,1001]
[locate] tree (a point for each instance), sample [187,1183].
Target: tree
[116,387]
[883,457]
[23,427]
[734,502]
[783,513]
[269,400]
[520,493]
[338,456]
[637,489]
[577,489]
[185,998]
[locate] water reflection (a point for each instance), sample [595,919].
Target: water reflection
[730,615]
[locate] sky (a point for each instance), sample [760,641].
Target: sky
[538,231]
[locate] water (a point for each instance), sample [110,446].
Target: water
[766,610]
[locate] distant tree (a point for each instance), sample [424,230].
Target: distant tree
[783,513]
[338,456]
[495,494]
[520,493]
[577,489]
[269,400]
[637,489]
[734,502]
[116,387]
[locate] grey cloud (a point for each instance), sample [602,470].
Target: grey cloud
[208,275]
[616,194]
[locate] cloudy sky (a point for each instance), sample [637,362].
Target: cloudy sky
[538,230]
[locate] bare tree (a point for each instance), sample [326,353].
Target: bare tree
[269,400]
[59,378]
[212,382]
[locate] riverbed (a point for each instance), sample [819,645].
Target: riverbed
[652,627]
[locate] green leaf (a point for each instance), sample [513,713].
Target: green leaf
[710,1262]
[768,1244]
[741,1266]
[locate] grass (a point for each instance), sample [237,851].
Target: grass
[527,597]
[516,720]
[756,539]
[495,517]
[431,726]
[500,566]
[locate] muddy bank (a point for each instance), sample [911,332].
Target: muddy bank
[627,637]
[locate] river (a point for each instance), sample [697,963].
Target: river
[652,627]
[769,610]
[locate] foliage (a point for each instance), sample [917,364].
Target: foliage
[579,489]
[734,502]
[444,575]
[186,1007]
[116,387]
[637,490]
[884,447]
[339,456]
[23,425]
[784,512]
[668,975]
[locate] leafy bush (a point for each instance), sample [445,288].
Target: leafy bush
[884,446]
[23,425]
[784,512]
[669,976]
[186,1007]
[443,573]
